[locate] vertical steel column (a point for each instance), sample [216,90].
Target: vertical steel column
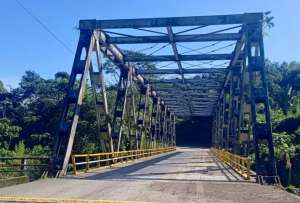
[262,131]
[157,122]
[230,111]
[219,125]
[120,107]
[226,118]
[129,120]
[174,130]
[168,128]
[131,110]
[215,127]
[153,121]
[213,130]
[236,107]
[164,127]
[222,117]
[148,118]
[75,91]
[245,114]
[162,122]
[144,92]
[99,92]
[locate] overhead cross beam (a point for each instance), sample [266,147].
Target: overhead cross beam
[195,91]
[201,91]
[198,105]
[195,100]
[177,38]
[176,94]
[183,71]
[172,21]
[199,81]
[162,58]
[183,105]
[179,103]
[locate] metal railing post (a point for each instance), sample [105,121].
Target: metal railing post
[74,164]
[87,160]
[248,168]
[23,166]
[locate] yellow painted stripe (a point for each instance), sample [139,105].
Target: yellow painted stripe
[55,200]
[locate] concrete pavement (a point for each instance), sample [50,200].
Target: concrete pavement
[187,175]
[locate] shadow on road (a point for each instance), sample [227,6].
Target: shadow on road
[124,171]
[138,171]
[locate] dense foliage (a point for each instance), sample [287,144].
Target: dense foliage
[284,92]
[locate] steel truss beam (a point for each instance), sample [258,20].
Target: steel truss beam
[69,118]
[179,64]
[116,56]
[99,91]
[196,89]
[194,101]
[184,113]
[177,38]
[179,93]
[259,96]
[183,71]
[132,115]
[186,105]
[163,58]
[195,107]
[196,110]
[120,108]
[231,94]
[201,81]
[88,43]
[170,22]
[170,98]
[195,104]
[244,89]
[190,86]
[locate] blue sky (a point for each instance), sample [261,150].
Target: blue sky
[25,45]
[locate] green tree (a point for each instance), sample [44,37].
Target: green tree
[8,132]
[2,88]
[284,80]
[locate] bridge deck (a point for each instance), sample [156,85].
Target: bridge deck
[187,175]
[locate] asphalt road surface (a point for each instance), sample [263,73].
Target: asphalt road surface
[187,175]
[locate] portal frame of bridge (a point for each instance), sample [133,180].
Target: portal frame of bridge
[233,95]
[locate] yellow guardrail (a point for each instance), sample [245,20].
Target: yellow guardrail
[238,163]
[106,159]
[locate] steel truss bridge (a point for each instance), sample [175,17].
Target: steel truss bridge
[218,70]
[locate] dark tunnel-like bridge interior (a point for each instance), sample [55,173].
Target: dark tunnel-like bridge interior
[194,132]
